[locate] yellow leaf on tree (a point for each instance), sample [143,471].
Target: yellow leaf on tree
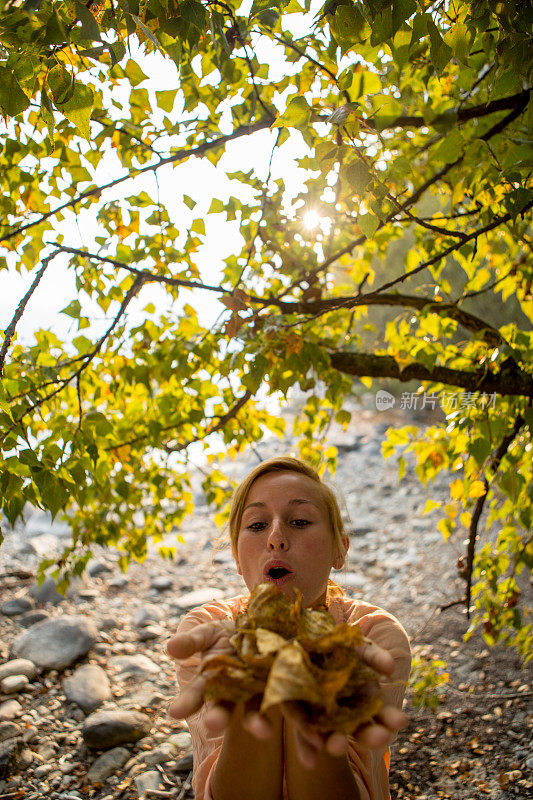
[477,489]
[456,489]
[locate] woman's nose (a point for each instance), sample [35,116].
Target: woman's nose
[277,539]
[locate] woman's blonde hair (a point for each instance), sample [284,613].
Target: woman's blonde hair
[289,464]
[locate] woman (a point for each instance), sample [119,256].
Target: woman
[286,528]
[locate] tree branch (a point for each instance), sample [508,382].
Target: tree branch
[457,115]
[469,321]
[180,155]
[10,330]
[232,412]
[130,294]
[478,508]
[506,382]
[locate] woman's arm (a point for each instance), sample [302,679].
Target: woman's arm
[247,767]
[250,762]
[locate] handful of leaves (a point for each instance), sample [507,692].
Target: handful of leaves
[288,653]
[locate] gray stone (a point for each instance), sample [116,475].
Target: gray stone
[150,632]
[18,666]
[10,709]
[32,617]
[97,568]
[8,730]
[160,755]
[88,687]
[56,643]
[147,614]
[120,582]
[108,764]
[10,752]
[184,764]
[147,781]
[146,697]
[161,583]
[44,545]
[136,666]
[108,623]
[18,605]
[181,740]
[13,684]
[104,729]
[198,597]
[47,592]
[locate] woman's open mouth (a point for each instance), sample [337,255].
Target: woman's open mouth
[278,573]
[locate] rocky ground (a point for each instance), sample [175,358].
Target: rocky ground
[85,681]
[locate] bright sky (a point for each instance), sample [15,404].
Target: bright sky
[197,178]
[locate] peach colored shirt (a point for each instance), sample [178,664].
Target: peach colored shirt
[370,768]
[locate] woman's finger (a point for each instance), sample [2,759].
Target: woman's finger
[374,736]
[296,715]
[199,639]
[217,718]
[337,744]
[189,700]
[257,725]
[393,719]
[376,657]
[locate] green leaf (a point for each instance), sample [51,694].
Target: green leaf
[189,202]
[217,206]
[359,176]
[440,51]
[134,73]
[165,99]
[89,26]
[296,115]
[194,13]
[147,32]
[61,83]
[12,99]
[73,309]
[402,10]
[78,109]
[450,149]
[368,224]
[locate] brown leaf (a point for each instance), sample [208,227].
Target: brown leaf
[290,654]
[233,325]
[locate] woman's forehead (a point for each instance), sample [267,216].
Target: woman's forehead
[289,486]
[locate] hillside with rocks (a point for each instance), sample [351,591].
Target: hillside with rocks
[85,680]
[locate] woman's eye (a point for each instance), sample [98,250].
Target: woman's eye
[300,523]
[256,526]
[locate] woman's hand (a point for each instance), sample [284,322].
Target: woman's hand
[208,640]
[374,735]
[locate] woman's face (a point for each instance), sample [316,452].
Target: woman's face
[285,536]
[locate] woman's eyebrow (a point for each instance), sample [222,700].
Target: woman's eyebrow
[295,502]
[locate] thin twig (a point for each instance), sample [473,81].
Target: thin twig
[10,330]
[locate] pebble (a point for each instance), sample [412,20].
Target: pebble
[13,684]
[18,666]
[95,568]
[104,729]
[184,764]
[161,583]
[56,643]
[135,666]
[88,687]
[10,753]
[147,781]
[32,617]
[10,709]
[150,632]
[108,764]
[198,597]
[147,614]
[18,605]
[181,741]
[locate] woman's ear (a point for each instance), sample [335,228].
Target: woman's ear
[338,563]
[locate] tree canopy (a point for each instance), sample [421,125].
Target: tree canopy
[404,253]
